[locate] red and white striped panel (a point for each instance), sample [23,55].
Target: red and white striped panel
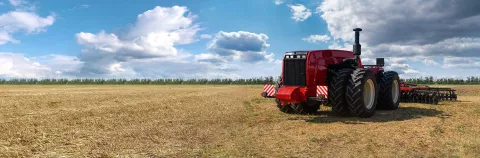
[322,90]
[270,89]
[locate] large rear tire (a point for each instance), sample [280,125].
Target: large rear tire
[337,88]
[389,90]
[362,93]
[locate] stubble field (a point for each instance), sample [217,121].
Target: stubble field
[221,121]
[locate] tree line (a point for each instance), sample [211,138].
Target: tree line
[431,80]
[87,81]
[250,81]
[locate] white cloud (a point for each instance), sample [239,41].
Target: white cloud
[16,21]
[165,68]
[241,45]
[16,65]
[412,29]
[317,38]
[429,62]
[155,34]
[16,3]
[30,22]
[391,28]
[148,49]
[448,47]
[66,65]
[84,6]
[461,62]
[22,5]
[210,58]
[397,60]
[368,61]
[206,36]
[300,12]
[278,2]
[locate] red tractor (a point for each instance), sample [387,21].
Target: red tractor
[337,77]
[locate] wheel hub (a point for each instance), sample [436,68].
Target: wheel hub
[369,94]
[395,91]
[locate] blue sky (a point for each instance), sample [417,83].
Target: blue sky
[213,38]
[213,15]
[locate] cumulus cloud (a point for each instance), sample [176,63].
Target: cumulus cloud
[465,47]
[413,29]
[300,12]
[401,66]
[405,28]
[430,62]
[22,5]
[368,61]
[165,68]
[16,21]
[401,69]
[461,63]
[278,2]
[241,45]
[149,48]
[17,65]
[206,36]
[65,65]
[155,34]
[381,20]
[210,58]
[317,38]
[16,3]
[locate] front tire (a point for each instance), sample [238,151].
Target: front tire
[362,93]
[389,84]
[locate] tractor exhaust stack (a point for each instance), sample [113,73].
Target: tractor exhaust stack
[357,48]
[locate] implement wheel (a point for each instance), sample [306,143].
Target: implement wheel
[411,97]
[362,93]
[337,88]
[286,108]
[435,98]
[429,99]
[389,90]
[310,107]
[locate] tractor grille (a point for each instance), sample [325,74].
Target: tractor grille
[294,72]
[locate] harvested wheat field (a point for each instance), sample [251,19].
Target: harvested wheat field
[221,121]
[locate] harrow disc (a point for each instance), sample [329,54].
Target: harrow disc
[435,98]
[429,95]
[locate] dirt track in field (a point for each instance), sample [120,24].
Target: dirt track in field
[221,121]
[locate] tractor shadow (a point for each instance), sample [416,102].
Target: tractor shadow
[400,114]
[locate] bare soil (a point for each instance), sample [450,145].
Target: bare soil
[221,121]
